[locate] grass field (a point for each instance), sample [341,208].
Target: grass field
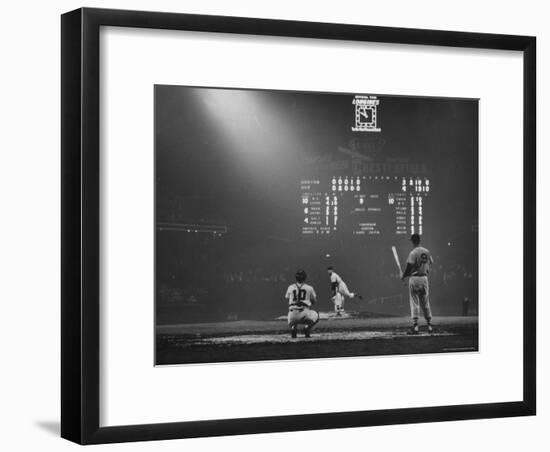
[255,340]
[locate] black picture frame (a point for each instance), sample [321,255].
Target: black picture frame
[80,263]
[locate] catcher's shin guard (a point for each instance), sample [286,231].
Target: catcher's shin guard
[293,331]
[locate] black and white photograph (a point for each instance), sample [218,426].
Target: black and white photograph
[242,226]
[295,225]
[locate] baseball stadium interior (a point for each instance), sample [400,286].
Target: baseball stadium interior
[252,185]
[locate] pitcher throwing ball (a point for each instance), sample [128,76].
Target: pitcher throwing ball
[419,264]
[301,297]
[338,291]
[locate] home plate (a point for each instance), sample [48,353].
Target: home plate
[280,338]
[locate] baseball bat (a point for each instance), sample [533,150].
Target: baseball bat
[396,257]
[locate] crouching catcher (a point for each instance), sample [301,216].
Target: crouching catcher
[301,297]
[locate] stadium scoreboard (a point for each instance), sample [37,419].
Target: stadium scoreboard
[363,205]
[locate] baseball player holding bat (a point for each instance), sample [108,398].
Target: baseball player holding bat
[419,264]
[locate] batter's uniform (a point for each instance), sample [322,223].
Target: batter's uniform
[419,290]
[300,299]
[339,290]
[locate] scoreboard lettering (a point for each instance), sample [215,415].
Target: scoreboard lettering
[364,205]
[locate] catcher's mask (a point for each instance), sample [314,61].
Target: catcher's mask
[301,276]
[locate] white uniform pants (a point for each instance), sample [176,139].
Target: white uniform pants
[338,298]
[419,296]
[302,315]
